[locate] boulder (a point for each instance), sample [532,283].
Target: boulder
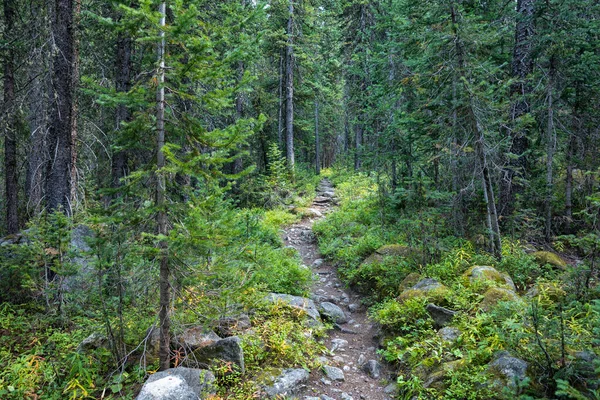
[547,292]
[393,250]
[332,313]
[427,287]
[372,368]
[507,369]
[290,381]
[196,337]
[409,281]
[229,326]
[92,342]
[441,316]
[301,303]
[178,383]
[228,350]
[549,258]
[495,295]
[334,373]
[482,273]
[449,334]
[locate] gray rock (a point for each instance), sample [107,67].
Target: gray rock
[427,285]
[338,344]
[290,381]
[353,307]
[481,272]
[391,389]
[325,381]
[302,303]
[196,337]
[449,334]
[92,342]
[325,397]
[333,373]
[228,349]
[372,368]
[311,398]
[509,368]
[332,312]
[178,383]
[229,326]
[346,396]
[441,316]
[318,262]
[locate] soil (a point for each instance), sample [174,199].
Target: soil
[359,332]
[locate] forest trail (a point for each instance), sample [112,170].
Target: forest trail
[352,344]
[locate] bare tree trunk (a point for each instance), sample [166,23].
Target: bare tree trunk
[280,110]
[317,144]
[522,66]
[123,84]
[58,178]
[164,285]
[550,146]
[75,84]
[10,122]
[289,114]
[358,138]
[37,101]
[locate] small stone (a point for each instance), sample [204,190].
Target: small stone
[325,381]
[346,396]
[333,373]
[290,381]
[318,262]
[338,344]
[325,397]
[362,359]
[372,368]
[449,334]
[353,307]
[391,389]
[346,368]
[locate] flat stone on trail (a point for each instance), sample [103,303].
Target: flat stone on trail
[334,373]
[318,262]
[372,368]
[178,383]
[332,312]
[289,382]
[338,344]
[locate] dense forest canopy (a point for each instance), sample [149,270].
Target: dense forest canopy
[152,151]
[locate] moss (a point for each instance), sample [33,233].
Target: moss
[396,250]
[439,295]
[495,295]
[410,281]
[479,273]
[411,293]
[436,379]
[547,292]
[549,258]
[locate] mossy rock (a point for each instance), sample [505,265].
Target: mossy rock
[548,292]
[435,380]
[549,258]
[495,295]
[428,288]
[483,273]
[393,250]
[411,280]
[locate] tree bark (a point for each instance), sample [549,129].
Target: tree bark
[522,66]
[164,285]
[289,113]
[58,178]
[75,84]
[317,144]
[550,146]
[37,102]
[280,110]
[10,123]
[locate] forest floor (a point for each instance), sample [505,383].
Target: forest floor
[352,344]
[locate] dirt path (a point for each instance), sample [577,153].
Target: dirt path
[352,345]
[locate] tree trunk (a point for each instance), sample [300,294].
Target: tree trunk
[289,112]
[75,84]
[238,164]
[522,66]
[10,122]
[123,85]
[58,178]
[280,110]
[164,286]
[37,101]
[550,146]
[317,144]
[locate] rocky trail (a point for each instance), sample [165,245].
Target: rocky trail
[352,369]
